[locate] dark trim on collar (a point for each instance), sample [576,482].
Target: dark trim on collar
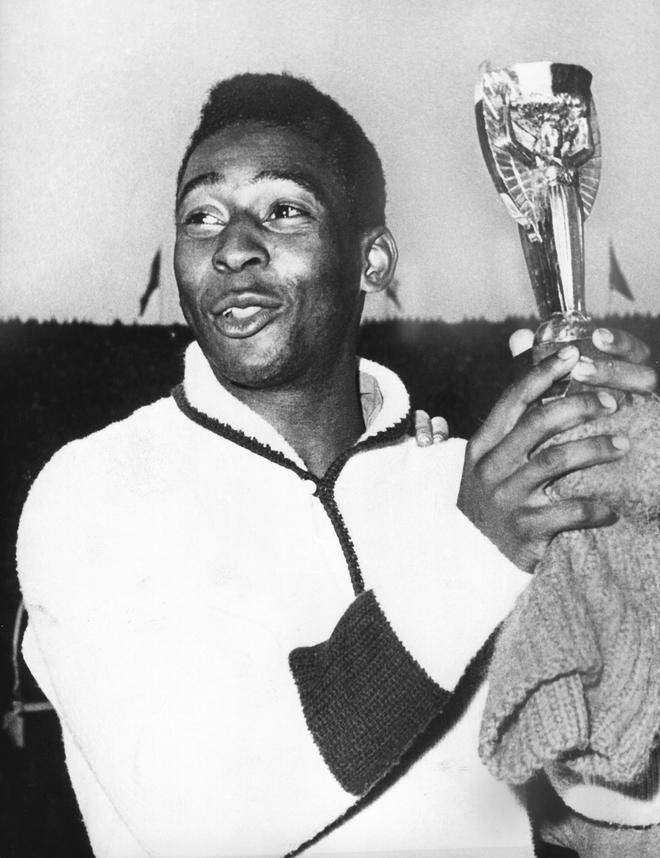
[235,435]
[386,436]
[325,485]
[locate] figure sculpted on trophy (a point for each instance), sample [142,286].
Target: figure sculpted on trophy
[539,136]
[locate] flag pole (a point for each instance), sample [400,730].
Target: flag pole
[161,304]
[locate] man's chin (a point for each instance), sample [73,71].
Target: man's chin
[270,359]
[252,375]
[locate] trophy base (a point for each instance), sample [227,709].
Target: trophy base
[563,329]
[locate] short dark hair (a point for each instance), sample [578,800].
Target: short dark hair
[285,101]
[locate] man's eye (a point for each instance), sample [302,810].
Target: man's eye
[202,223]
[285,211]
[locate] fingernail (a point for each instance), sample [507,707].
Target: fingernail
[567,352]
[424,440]
[607,400]
[439,428]
[520,341]
[620,442]
[583,369]
[606,337]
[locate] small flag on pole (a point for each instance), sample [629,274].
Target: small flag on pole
[153,284]
[392,292]
[618,282]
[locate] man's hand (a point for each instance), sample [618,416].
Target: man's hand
[504,476]
[623,364]
[430,430]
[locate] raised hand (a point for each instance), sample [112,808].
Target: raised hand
[505,474]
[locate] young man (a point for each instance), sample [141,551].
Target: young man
[253,604]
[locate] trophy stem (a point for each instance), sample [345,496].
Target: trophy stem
[554,253]
[567,219]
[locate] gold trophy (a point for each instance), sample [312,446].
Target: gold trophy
[539,136]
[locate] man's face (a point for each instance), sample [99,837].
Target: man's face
[266,263]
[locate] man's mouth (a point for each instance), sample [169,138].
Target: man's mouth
[245,317]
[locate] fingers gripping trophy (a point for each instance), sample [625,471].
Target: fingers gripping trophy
[539,136]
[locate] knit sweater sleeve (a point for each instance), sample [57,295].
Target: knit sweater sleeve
[447,601]
[447,611]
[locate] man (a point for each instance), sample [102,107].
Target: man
[267,664]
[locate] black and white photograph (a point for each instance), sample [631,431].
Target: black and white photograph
[329,343]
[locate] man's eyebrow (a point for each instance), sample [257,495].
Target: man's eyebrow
[298,178]
[211,178]
[301,179]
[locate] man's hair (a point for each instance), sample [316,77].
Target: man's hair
[282,100]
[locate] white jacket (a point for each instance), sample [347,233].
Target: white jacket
[182,572]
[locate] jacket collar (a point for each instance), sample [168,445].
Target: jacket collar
[385,402]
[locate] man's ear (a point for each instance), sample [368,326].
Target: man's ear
[379,258]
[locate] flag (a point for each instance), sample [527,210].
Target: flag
[153,284]
[392,292]
[618,282]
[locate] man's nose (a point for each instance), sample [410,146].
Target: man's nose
[239,245]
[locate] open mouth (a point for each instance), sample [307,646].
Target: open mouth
[245,321]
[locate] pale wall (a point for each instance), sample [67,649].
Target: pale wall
[98,100]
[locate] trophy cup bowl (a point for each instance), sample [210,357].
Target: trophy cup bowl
[539,136]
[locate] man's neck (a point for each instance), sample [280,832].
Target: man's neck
[320,419]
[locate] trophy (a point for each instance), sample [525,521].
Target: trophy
[539,136]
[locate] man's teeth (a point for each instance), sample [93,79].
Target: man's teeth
[240,312]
